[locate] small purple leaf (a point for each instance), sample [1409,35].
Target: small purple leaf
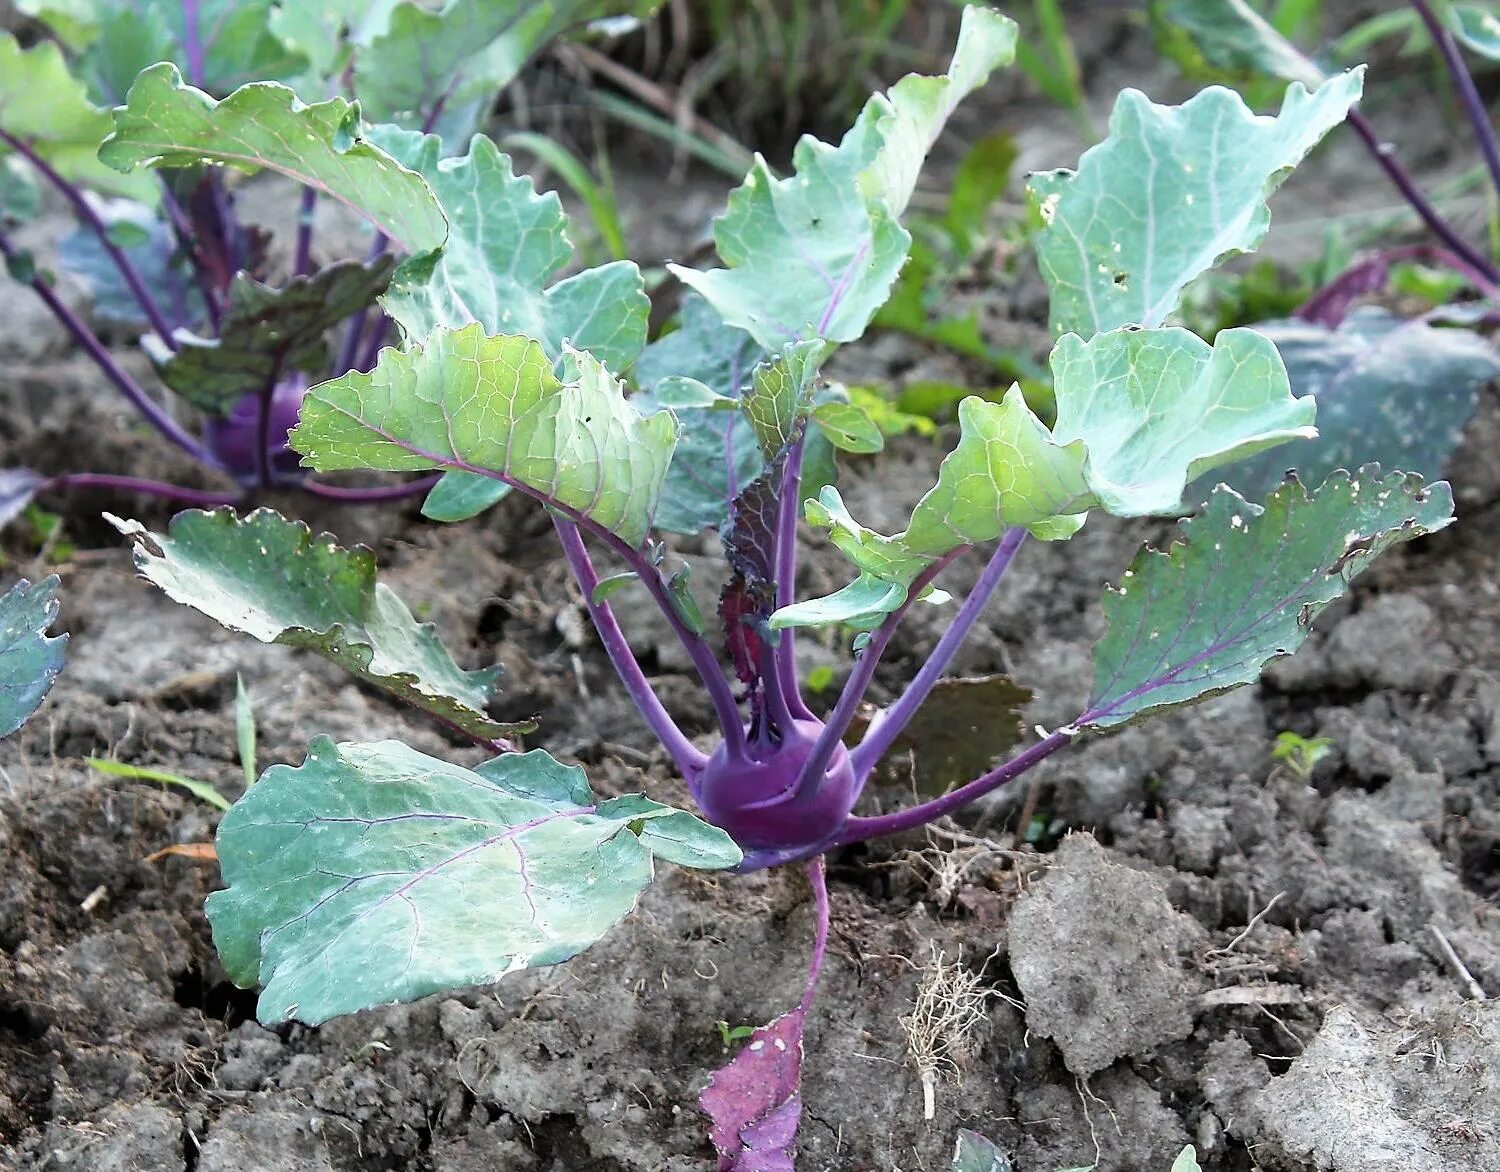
[755,1102]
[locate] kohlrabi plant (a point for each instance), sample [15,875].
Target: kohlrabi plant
[373,873]
[1390,389]
[233,331]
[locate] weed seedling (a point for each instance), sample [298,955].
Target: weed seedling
[1300,754]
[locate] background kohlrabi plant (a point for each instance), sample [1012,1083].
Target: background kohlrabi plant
[1393,389]
[207,91]
[374,873]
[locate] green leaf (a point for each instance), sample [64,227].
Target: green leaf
[235,44]
[157,260]
[43,104]
[244,729]
[30,659]
[465,49]
[1389,391]
[1187,1160]
[325,32]
[780,395]
[493,405]
[1228,38]
[1171,192]
[1477,26]
[848,428]
[199,789]
[1205,616]
[267,333]
[1157,408]
[505,245]
[20,197]
[373,873]
[457,496]
[717,454]
[973,1153]
[1119,444]
[166,123]
[268,578]
[814,255]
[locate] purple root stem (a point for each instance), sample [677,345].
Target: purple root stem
[1384,154]
[889,724]
[155,414]
[100,229]
[1468,92]
[689,759]
[817,879]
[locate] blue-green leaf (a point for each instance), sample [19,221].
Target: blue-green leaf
[30,659]
[352,879]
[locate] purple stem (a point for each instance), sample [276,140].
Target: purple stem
[864,671]
[192,42]
[377,340]
[889,724]
[372,495]
[349,351]
[1384,154]
[185,241]
[1330,305]
[1468,92]
[302,260]
[689,759]
[858,829]
[155,414]
[156,488]
[122,262]
[784,653]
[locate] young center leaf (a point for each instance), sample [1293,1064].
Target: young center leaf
[1245,585]
[30,659]
[814,255]
[494,406]
[1121,442]
[1170,193]
[267,333]
[263,126]
[373,873]
[269,578]
[45,106]
[1390,391]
